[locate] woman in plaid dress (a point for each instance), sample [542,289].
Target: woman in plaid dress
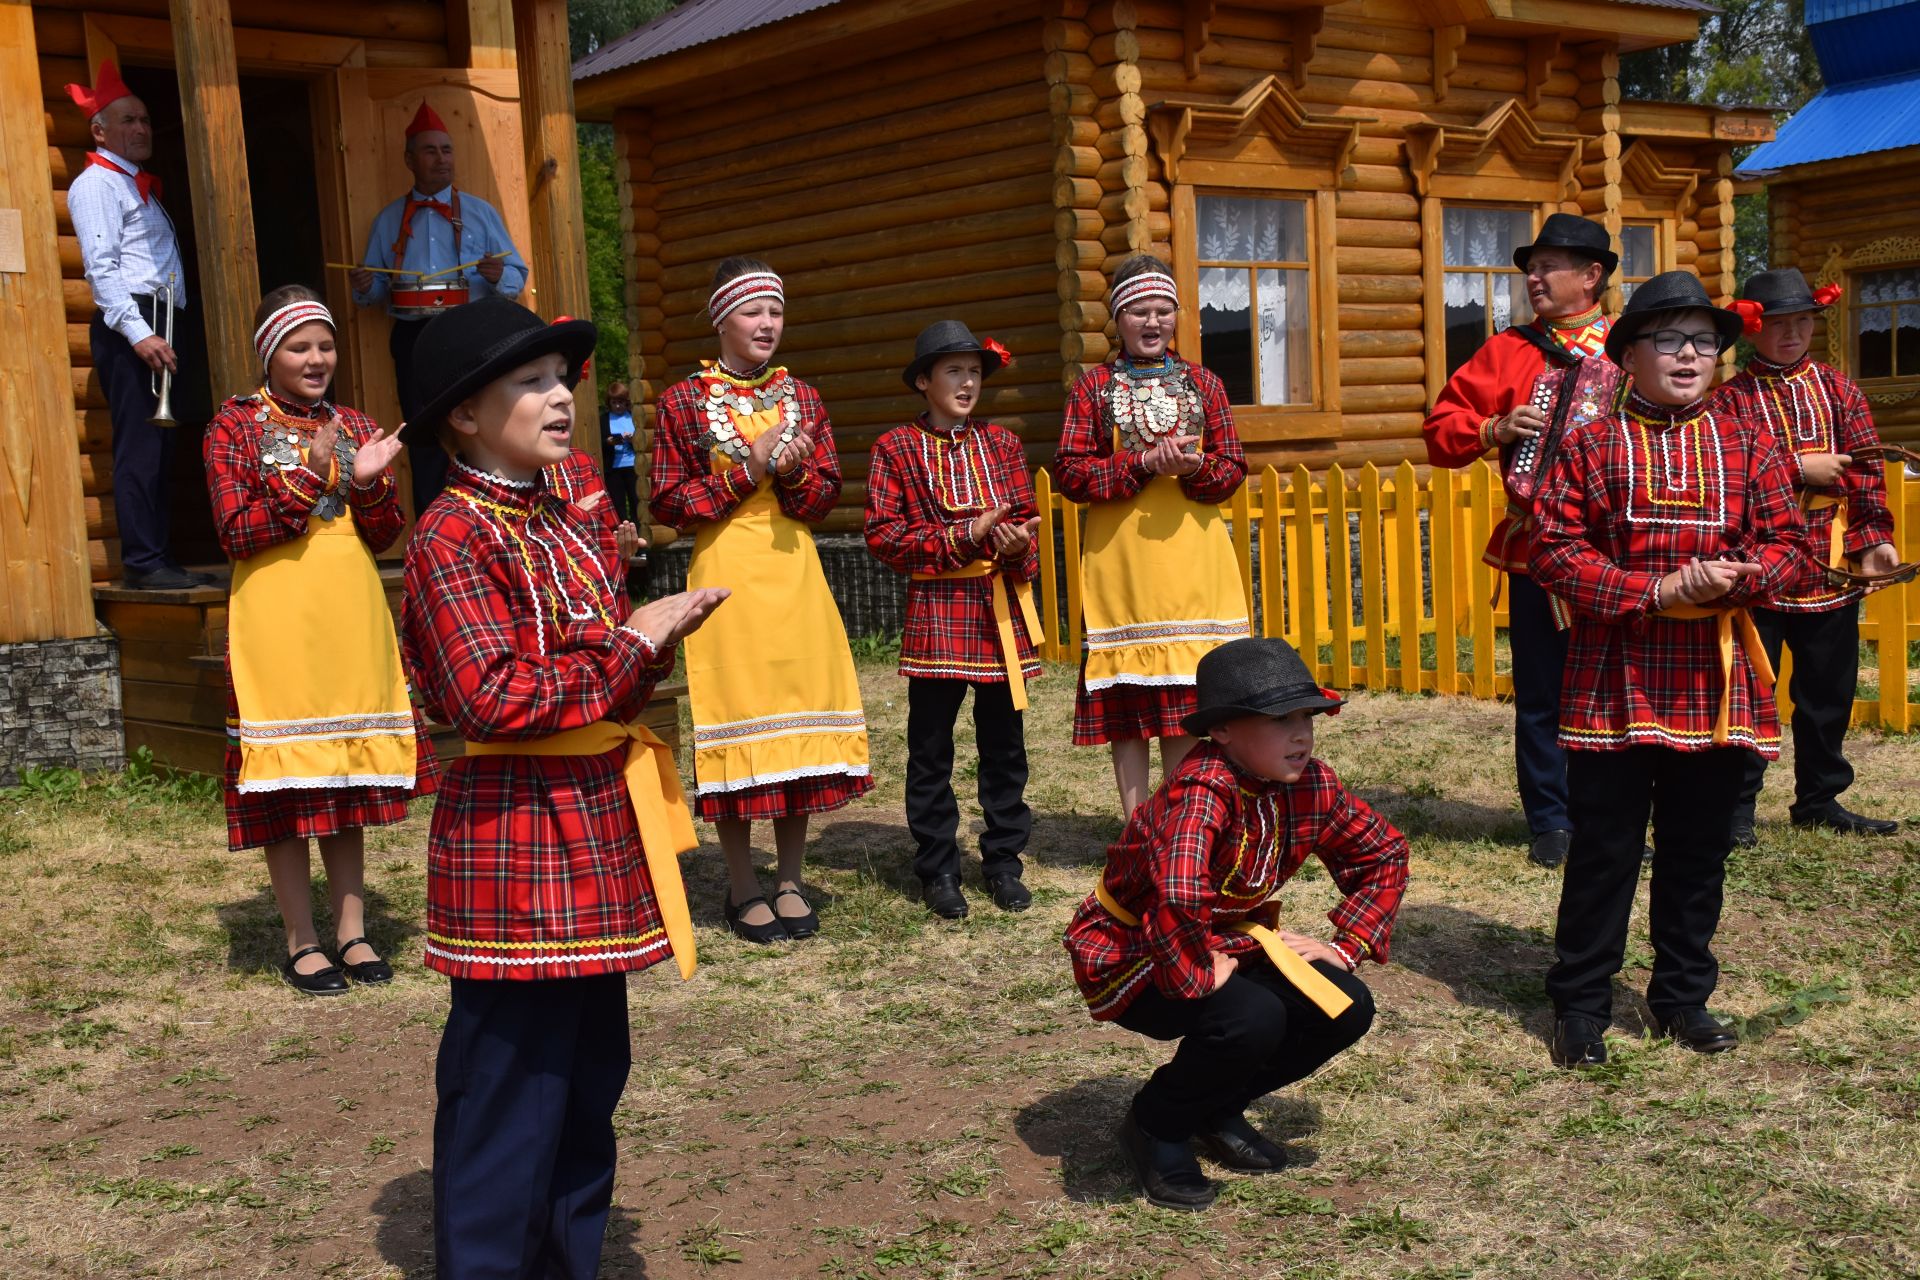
[322,742]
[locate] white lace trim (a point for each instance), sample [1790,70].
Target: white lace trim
[497,479]
[1129,678]
[570,957]
[321,784]
[785,775]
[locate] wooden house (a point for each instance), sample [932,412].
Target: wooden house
[278,132]
[1843,188]
[1337,183]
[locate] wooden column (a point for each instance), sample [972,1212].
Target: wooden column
[480,32]
[44,576]
[222,198]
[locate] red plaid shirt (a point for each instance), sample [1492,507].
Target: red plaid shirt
[924,488]
[1811,407]
[1209,850]
[512,631]
[256,507]
[1088,466]
[1630,499]
[686,490]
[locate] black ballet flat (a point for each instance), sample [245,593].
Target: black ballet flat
[798,927]
[772,931]
[368,973]
[322,982]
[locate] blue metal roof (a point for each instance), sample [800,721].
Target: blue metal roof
[1828,10]
[688,24]
[1864,39]
[1844,120]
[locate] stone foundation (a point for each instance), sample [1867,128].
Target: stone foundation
[60,705]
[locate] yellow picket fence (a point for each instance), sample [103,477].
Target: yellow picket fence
[1385,603]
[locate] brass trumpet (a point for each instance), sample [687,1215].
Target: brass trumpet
[162,382]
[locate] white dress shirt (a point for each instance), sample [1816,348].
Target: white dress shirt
[127,244]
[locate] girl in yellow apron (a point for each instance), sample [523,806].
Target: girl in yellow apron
[1148,442]
[743,455]
[322,740]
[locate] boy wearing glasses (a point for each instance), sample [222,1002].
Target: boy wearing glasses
[1659,526]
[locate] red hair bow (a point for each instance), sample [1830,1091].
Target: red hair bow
[1328,693]
[999,349]
[1827,294]
[1749,314]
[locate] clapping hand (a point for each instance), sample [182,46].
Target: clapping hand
[1698,581]
[320,449]
[373,457]
[672,618]
[793,453]
[1169,456]
[1823,469]
[1011,539]
[983,524]
[627,540]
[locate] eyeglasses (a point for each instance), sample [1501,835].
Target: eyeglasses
[1669,341]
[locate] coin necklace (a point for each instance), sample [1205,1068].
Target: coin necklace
[1144,405]
[727,396]
[283,440]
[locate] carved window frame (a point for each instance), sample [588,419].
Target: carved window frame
[1842,351]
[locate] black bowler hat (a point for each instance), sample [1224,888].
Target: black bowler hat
[1783,292]
[1666,293]
[945,337]
[1255,678]
[1576,234]
[462,350]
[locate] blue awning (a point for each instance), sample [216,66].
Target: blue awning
[1844,120]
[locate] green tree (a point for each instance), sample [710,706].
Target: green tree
[592,23]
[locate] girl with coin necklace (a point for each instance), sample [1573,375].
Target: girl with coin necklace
[323,740]
[1147,440]
[744,457]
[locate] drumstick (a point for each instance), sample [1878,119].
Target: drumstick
[399,271]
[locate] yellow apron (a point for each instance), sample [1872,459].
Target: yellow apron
[1003,620]
[316,668]
[659,809]
[1161,587]
[1731,623]
[770,677]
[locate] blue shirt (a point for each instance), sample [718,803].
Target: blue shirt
[483,233]
[620,427]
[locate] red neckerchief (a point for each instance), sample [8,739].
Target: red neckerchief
[450,212]
[144,182]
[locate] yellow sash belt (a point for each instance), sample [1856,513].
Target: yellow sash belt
[659,807]
[1293,966]
[1730,621]
[1837,531]
[1003,619]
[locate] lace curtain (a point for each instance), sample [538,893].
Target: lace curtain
[1486,238]
[1879,287]
[1264,306]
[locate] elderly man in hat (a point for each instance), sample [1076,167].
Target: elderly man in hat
[1491,402]
[133,266]
[435,247]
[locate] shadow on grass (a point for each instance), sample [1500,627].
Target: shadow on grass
[404,1234]
[1420,816]
[256,940]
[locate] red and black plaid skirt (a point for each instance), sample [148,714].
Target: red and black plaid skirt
[259,818]
[1123,712]
[787,799]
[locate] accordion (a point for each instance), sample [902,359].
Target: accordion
[1568,396]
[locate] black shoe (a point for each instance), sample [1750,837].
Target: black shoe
[1698,1030]
[943,897]
[802,926]
[321,982]
[1578,1042]
[1835,818]
[1549,848]
[368,973]
[1239,1146]
[203,579]
[1166,1171]
[1008,893]
[1744,835]
[161,579]
[772,931]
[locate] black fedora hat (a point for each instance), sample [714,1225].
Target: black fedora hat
[1664,294]
[462,350]
[945,337]
[1254,678]
[1576,234]
[1782,292]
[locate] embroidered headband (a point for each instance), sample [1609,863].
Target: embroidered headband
[1148,284]
[268,337]
[741,290]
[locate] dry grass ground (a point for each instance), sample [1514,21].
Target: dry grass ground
[903,1098]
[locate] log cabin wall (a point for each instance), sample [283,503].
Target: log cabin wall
[395,33]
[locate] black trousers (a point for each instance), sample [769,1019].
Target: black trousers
[1539,657]
[625,498]
[142,452]
[933,814]
[1255,1034]
[529,1074]
[1690,795]
[1826,667]
[425,458]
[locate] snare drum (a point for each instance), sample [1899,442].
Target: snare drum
[426,300]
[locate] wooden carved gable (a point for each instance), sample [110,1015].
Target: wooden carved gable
[1656,181]
[1447,159]
[1207,138]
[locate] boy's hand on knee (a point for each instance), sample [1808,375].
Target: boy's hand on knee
[1312,948]
[1223,967]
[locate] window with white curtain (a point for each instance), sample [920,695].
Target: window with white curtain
[1639,259]
[1485,292]
[1886,322]
[1255,313]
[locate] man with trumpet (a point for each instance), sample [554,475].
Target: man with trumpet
[144,334]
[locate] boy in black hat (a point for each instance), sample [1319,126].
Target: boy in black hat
[1182,936]
[551,865]
[1659,526]
[1820,419]
[950,504]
